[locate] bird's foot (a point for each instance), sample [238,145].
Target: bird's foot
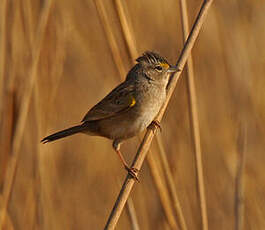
[155,124]
[132,172]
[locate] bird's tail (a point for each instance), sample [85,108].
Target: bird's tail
[64,133]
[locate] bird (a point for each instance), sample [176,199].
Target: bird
[129,108]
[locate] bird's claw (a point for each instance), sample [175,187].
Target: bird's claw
[155,124]
[133,172]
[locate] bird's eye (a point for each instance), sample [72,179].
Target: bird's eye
[158,68]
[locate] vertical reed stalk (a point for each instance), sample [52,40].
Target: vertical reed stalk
[127,32]
[239,180]
[162,191]
[132,214]
[194,118]
[3,15]
[110,36]
[171,183]
[22,118]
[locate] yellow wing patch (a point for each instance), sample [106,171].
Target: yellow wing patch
[133,101]
[164,65]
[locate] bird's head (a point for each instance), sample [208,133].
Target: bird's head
[155,67]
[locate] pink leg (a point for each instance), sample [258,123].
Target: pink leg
[132,171]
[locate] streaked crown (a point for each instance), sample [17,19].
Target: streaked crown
[153,58]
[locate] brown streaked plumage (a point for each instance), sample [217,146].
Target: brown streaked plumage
[129,108]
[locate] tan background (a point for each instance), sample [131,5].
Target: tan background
[73,183]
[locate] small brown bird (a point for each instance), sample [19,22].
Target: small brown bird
[129,108]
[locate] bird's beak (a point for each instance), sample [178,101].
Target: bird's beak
[173,69]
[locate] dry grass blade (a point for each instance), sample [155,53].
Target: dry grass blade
[27,10]
[239,180]
[156,172]
[194,118]
[6,133]
[41,118]
[30,209]
[7,224]
[2,47]
[146,142]
[162,191]
[11,170]
[111,39]
[171,184]
[132,214]
[129,38]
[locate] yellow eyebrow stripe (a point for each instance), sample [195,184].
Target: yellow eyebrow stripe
[164,65]
[133,102]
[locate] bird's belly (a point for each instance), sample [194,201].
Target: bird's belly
[135,121]
[130,127]
[146,118]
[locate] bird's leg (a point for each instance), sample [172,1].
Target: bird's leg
[155,124]
[132,171]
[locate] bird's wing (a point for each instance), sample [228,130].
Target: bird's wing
[117,101]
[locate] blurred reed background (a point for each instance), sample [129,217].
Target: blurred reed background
[58,58]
